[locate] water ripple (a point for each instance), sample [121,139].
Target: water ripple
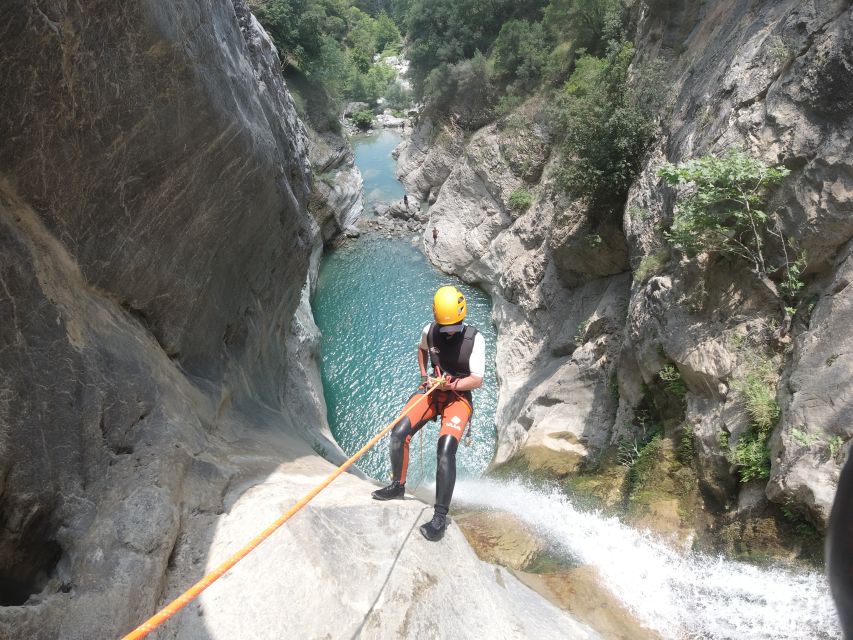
[373,298]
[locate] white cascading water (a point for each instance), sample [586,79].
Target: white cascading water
[680,595]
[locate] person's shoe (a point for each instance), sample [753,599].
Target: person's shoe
[393,491]
[435,528]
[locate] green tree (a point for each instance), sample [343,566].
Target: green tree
[723,211]
[449,31]
[587,24]
[520,54]
[386,32]
[462,90]
[605,126]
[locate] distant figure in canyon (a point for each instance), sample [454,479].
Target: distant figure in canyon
[434,235]
[457,353]
[406,200]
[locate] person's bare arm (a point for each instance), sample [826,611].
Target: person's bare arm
[422,362]
[467,383]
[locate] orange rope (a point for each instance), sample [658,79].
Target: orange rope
[194,591]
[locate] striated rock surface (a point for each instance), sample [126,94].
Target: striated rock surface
[336,200]
[153,250]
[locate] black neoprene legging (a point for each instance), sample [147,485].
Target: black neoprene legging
[445,473]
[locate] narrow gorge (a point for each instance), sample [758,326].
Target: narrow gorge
[180,197]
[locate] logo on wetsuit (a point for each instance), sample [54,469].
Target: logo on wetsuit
[453,423]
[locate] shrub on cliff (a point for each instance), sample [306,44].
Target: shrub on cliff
[363,119]
[605,124]
[519,55]
[722,210]
[520,200]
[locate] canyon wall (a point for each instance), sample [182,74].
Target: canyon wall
[591,312]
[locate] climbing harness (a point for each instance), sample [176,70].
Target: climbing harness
[194,591]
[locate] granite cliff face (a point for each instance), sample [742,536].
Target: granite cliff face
[155,243]
[582,343]
[159,388]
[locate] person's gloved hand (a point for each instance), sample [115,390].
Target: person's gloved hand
[443,381]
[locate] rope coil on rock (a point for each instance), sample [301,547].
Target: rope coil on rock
[194,591]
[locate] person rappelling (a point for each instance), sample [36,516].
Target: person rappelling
[457,354]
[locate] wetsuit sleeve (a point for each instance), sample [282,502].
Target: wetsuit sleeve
[477,362]
[424,344]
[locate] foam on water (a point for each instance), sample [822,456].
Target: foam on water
[681,595]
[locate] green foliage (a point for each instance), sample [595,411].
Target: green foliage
[363,119]
[758,390]
[835,443]
[686,444]
[398,97]
[723,212]
[644,463]
[804,438]
[463,89]
[507,103]
[444,32]
[332,42]
[520,200]
[802,527]
[520,55]
[672,380]
[650,266]
[644,430]
[751,456]
[588,24]
[792,282]
[605,126]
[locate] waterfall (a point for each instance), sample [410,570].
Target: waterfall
[682,595]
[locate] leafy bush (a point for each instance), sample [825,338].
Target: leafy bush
[605,126]
[758,390]
[672,380]
[363,119]
[686,444]
[462,90]
[723,212]
[751,456]
[645,461]
[650,266]
[520,55]
[520,200]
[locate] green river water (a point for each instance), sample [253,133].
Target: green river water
[373,298]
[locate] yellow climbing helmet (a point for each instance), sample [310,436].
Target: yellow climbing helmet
[449,308]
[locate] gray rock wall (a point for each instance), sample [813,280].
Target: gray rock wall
[766,77]
[558,315]
[154,243]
